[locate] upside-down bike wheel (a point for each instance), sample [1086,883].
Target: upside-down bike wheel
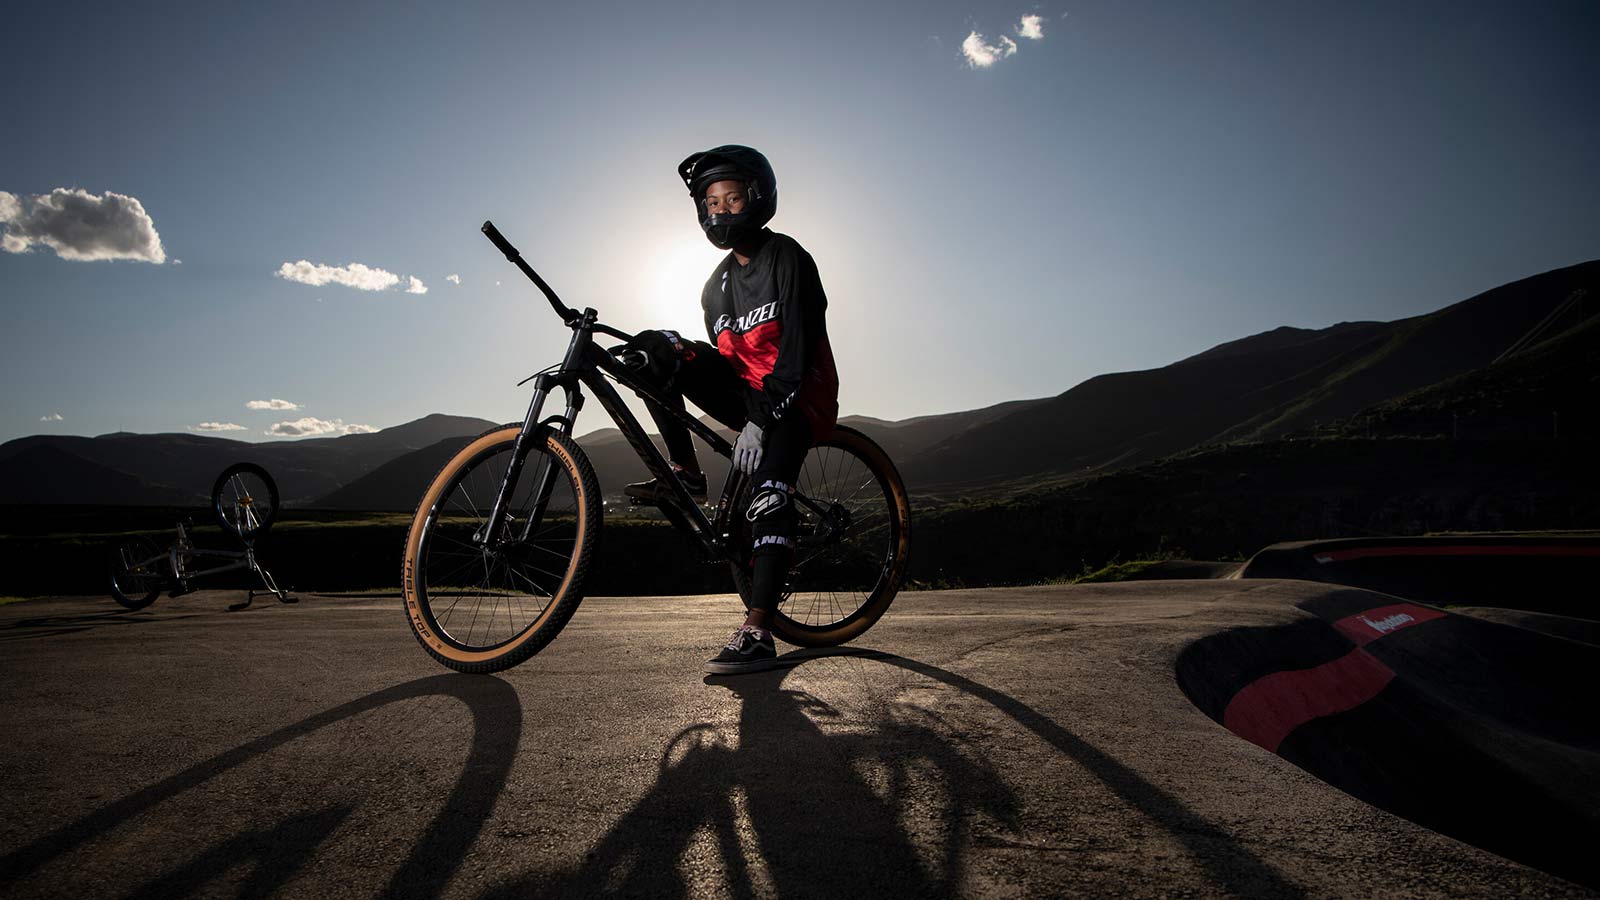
[137,571]
[479,609]
[245,500]
[853,541]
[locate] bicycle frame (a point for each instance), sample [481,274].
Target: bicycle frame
[587,365]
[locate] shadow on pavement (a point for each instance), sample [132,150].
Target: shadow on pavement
[50,626]
[786,807]
[282,849]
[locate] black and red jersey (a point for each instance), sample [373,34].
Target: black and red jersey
[768,319]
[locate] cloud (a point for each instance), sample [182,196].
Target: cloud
[311,426]
[416,286]
[1031,27]
[453,279]
[80,226]
[218,426]
[982,55]
[304,427]
[356,275]
[53,417]
[274,403]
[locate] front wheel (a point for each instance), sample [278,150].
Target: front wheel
[852,542]
[483,607]
[245,500]
[137,570]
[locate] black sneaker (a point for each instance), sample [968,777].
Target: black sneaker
[750,650]
[654,491]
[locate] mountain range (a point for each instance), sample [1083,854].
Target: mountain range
[1531,343]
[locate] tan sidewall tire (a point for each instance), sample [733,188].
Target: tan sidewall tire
[567,597]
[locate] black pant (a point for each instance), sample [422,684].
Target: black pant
[711,383]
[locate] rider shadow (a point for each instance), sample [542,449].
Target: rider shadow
[802,800]
[277,852]
[789,807]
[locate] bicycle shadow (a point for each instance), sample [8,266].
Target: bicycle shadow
[795,809]
[279,851]
[801,801]
[50,626]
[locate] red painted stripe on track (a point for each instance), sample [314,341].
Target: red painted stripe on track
[1329,556]
[1366,627]
[1269,708]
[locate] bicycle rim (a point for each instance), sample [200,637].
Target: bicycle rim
[851,542]
[477,610]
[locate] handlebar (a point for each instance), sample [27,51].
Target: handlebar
[566,312]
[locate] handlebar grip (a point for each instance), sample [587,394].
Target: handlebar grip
[499,240]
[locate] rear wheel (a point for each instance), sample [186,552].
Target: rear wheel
[482,609]
[851,544]
[245,500]
[137,571]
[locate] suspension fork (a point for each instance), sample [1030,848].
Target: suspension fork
[532,431]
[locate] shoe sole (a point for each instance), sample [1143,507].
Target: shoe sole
[740,668]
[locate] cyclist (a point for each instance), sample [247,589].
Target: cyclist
[768,373]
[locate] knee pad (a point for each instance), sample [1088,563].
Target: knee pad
[771,513]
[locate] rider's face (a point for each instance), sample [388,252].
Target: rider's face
[724,198]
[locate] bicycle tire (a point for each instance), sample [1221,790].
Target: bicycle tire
[135,582]
[439,551]
[237,499]
[859,587]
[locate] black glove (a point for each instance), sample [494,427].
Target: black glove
[663,355]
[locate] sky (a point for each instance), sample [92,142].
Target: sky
[261,221]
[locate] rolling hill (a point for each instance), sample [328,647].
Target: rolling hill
[1525,351]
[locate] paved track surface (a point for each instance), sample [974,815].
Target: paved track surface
[1018,742]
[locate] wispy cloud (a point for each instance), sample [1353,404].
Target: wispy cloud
[80,226]
[453,279]
[53,417]
[311,427]
[356,275]
[274,403]
[981,55]
[218,426]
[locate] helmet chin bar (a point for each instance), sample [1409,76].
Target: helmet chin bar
[727,230]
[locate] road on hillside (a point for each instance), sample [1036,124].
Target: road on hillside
[1012,742]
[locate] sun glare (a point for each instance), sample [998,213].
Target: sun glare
[676,274]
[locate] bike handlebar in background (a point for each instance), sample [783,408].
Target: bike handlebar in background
[566,312]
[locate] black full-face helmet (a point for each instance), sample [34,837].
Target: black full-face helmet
[731,162]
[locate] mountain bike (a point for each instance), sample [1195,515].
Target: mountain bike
[503,536]
[244,500]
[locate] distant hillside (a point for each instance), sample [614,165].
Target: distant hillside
[1255,388]
[189,463]
[1531,344]
[397,484]
[46,474]
[1544,388]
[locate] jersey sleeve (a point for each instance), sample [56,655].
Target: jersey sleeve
[802,301]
